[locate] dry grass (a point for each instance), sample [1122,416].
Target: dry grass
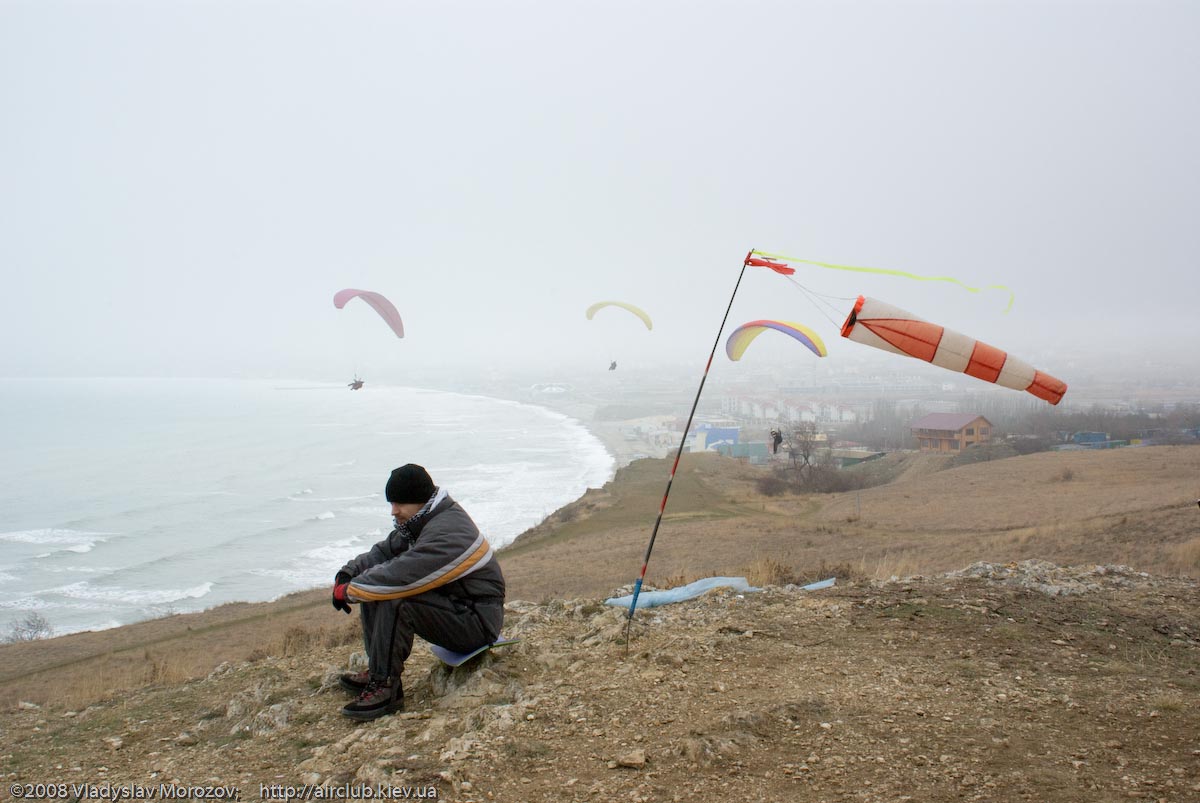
[101,679]
[1165,702]
[1185,557]
[1028,491]
[674,580]
[86,667]
[298,640]
[767,571]
[171,663]
[901,563]
[1122,506]
[770,571]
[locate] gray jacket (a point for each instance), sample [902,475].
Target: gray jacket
[445,551]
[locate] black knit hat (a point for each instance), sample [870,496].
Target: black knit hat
[408,484]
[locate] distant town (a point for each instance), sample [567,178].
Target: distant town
[853,412]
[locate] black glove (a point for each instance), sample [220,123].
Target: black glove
[340,604]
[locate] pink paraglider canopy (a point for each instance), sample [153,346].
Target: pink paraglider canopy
[377,302]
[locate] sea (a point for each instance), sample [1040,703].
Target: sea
[129,499]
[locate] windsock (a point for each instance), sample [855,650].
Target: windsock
[879,324]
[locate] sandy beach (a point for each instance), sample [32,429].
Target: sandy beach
[626,439]
[625,444]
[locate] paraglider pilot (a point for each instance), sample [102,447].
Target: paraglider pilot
[776,439]
[612,366]
[434,576]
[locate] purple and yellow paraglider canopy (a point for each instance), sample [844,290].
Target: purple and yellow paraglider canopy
[741,338]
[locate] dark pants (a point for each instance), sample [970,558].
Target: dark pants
[454,623]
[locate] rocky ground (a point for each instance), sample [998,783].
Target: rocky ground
[999,682]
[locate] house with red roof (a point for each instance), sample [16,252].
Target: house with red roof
[951,432]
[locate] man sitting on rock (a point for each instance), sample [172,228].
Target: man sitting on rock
[434,576]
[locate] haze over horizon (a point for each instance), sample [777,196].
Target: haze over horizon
[184,186]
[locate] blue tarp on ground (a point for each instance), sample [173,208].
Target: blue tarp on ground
[652,599]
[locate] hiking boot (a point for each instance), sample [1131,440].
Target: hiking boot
[381,696]
[354,682]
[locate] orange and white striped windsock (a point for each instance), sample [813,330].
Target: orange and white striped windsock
[879,324]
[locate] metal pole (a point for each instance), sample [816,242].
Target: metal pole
[637,585]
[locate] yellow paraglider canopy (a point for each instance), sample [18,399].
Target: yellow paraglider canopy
[638,311]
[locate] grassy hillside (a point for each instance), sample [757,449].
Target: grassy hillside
[1131,506]
[1022,683]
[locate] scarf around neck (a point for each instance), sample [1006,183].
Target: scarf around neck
[406,527]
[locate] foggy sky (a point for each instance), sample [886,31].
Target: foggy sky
[185,185]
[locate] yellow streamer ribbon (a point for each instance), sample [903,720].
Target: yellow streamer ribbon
[888,272]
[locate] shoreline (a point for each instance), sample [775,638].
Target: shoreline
[611,435]
[624,450]
[626,439]
[129,643]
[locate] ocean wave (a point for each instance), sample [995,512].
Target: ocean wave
[84,590]
[242,543]
[77,548]
[84,605]
[336,552]
[298,578]
[56,536]
[369,512]
[77,569]
[172,507]
[23,603]
[489,469]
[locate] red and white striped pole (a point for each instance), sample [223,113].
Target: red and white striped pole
[637,586]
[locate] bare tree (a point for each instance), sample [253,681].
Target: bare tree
[801,449]
[31,628]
